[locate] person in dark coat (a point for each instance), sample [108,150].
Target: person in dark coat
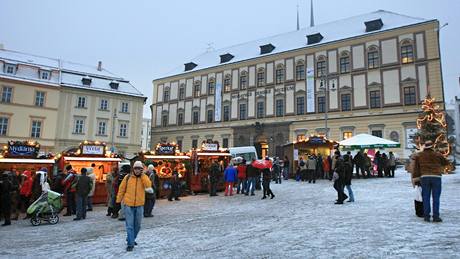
[83,187]
[58,185]
[286,164]
[70,191]
[266,179]
[383,163]
[175,187]
[214,172]
[277,171]
[358,160]
[339,177]
[252,174]
[5,198]
[348,163]
[150,198]
[378,163]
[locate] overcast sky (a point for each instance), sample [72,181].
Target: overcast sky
[142,40]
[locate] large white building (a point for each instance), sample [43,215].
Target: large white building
[145,134]
[61,103]
[368,72]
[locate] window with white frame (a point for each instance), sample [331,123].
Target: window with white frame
[279,74]
[123,129]
[166,95]
[39,99]
[279,107]
[180,119]
[321,66]
[345,62]
[102,128]
[36,129]
[3,126]
[45,75]
[226,112]
[79,126]
[243,80]
[260,109]
[104,105]
[300,71]
[373,57]
[300,100]
[196,89]
[182,92]
[407,52]
[10,69]
[196,117]
[211,86]
[227,83]
[124,107]
[210,116]
[243,111]
[347,134]
[81,102]
[260,77]
[7,93]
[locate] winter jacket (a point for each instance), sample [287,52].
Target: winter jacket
[92,176]
[266,174]
[326,166]
[429,163]
[302,165]
[358,159]
[252,171]
[230,174]
[26,188]
[132,190]
[83,186]
[391,161]
[242,171]
[69,180]
[214,171]
[311,164]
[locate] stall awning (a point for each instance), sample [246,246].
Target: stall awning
[166,157]
[27,161]
[97,159]
[367,141]
[213,154]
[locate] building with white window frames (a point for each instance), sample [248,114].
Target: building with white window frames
[272,91]
[60,104]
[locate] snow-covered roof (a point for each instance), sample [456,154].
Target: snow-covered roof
[71,73]
[367,141]
[331,32]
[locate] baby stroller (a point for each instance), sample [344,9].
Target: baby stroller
[46,207]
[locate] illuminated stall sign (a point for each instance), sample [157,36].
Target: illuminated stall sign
[210,146]
[22,149]
[165,149]
[93,150]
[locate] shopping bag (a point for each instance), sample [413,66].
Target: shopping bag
[418,194]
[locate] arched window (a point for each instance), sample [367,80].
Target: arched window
[345,62]
[166,95]
[279,74]
[407,52]
[182,92]
[300,70]
[373,59]
[197,89]
[260,76]
[243,80]
[211,86]
[321,66]
[227,83]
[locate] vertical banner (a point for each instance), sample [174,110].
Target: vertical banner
[218,102]
[310,86]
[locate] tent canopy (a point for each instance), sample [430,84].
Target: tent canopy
[361,141]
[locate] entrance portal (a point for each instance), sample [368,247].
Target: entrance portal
[261,145]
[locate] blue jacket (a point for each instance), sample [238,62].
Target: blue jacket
[230,174]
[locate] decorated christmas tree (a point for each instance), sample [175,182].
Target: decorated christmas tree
[431,125]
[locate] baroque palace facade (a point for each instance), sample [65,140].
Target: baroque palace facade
[367,74]
[60,104]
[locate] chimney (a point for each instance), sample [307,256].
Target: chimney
[99,66]
[1,46]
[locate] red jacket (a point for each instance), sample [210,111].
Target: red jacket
[26,188]
[241,171]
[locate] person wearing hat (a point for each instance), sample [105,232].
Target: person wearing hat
[428,168]
[132,193]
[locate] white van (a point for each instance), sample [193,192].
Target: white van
[247,153]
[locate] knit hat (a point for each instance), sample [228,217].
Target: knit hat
[150,167]
[138,164]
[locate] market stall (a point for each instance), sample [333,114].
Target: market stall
[25,155]
[201,161]
[313,145]
[93,155]
[167,158]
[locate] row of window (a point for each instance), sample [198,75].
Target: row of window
[35,130]
[373,61]
[345,105]
[195,143]
[12,69]
[7,96]
[103,104]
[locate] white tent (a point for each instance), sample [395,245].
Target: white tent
[362,141]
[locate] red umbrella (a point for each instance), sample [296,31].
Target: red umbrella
[262,164]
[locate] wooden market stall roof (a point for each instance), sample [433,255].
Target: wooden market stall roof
[166,157]
[97,159]
[213,154]
[27,161]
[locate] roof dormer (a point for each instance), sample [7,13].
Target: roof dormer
[226,57]
[314,38]
[373,25]
[114,85]
[267,48]
[189,66]
[86,80]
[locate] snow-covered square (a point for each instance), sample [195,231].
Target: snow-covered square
[302,221]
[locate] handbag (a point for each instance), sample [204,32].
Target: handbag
[418,194]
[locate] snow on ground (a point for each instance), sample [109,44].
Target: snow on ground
[301,222]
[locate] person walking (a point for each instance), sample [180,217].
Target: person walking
[175,187]
[391,164]
[230,175]
[150,197]
[303,169]
[5,198]
[277,171]
[110,191]
[348,167]
[83,188]
[339,177]
[92,177]
[286,164]
[132,194]
[379,163]
[26,191]
[311,169]
[429,166]
[326,168]
[70,191]
[242,181]
[367,165]
[358,160]
[214,172]
[252,174]
[266,179]
[119,207]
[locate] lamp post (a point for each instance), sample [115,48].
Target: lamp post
[326,89]
[112,149]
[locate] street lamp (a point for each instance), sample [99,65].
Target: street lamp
[112,149]
[326,90]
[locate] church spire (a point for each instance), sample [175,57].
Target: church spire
[298,25]
[312,18]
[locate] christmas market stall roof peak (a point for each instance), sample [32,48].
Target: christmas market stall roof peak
[352,27]
[361,141]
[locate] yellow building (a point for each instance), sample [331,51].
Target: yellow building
[368,73]
[60,104]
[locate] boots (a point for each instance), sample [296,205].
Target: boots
[109,211]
